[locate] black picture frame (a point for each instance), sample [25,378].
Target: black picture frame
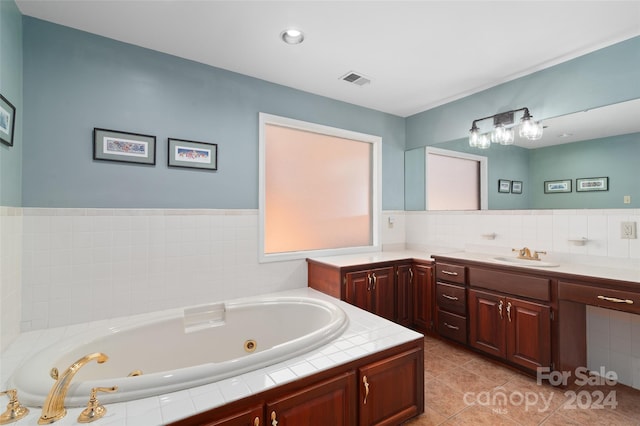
[7,121]
[516,187]
[557,186]
[592,184]
[504,185]
[192,154]
[124,147]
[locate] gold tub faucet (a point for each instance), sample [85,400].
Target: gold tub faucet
[53,408]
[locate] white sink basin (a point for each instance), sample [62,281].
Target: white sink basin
[524,262]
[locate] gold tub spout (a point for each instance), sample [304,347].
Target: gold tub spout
[53,408]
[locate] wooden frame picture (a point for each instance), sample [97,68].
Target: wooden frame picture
[192,154]
[124,147]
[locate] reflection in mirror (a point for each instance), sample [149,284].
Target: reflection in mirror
[597,143]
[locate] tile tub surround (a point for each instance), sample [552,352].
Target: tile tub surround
[82,265]
[366,334]
[10,273]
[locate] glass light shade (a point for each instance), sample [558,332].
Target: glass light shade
[484,141]
[508,137]
[474,135]
[530,129]
[498,134]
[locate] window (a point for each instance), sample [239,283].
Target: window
[455,180]
[319,190]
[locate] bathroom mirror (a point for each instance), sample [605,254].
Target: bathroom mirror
[599,149]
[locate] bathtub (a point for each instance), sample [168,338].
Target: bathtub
[183,348]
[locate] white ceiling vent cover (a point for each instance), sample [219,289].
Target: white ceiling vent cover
[355,78]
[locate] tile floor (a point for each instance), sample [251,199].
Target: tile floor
[463,388]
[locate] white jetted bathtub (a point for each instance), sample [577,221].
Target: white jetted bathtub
[183,349]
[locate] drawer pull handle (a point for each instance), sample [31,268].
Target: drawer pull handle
[444,271]
[500,305]
[366,389]
[509,310]
[616,300]
[453,327]
[368,282]
[410,275]
[375,280]
[274,419]
[446,296]
[256,421]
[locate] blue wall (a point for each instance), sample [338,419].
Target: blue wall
[11,88]
[615,157]
[75,81]
[603,77]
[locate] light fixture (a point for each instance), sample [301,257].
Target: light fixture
[503,132]
[292,36]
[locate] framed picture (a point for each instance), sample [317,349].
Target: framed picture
[504,185]
[7,121]
[557,186]
[125,147]
[592,184]
[516,187]
[192,154]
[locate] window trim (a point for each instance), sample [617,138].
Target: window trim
[376,183]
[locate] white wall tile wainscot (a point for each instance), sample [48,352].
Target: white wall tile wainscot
[10,273]
[82,265]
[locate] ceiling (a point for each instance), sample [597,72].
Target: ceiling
[417,54]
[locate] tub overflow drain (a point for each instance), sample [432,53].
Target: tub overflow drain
[250,345]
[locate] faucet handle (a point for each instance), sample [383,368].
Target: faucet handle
[15,411]
[536,253]
[94,410]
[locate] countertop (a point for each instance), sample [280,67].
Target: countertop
[365,335]
[604,268]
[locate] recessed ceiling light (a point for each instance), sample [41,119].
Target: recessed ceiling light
[292,36]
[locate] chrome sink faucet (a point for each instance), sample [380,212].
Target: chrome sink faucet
[525,253]
[53,408]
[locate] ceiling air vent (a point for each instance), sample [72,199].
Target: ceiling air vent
[355,78]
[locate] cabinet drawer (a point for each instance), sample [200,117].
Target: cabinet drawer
[510,283]
[452,326]
[451,298]
[620,300]
[451,273]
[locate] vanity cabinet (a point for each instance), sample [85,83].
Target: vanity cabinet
[451,301]
[503,322]
[422,296]
[401,291]
[510,328]
[372,290]
[381,389]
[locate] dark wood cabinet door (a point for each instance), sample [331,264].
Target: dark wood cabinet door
[404,295]
[487,316]
[331,402]
[384,292]
[251,416]
[528,333]
[358,291]
[423,303]
[390,391]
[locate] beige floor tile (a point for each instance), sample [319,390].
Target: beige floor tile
[480,416]
[443,399]
[430,418]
